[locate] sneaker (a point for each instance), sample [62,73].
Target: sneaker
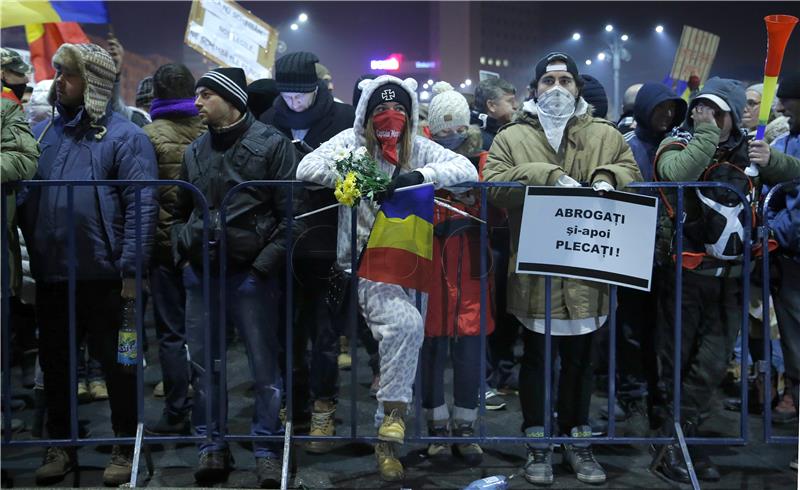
[56,464]
[322,424]
[375,386]
[170,425]
[793,463]
[344,360]
[268,472]
[579,458]
[539,467]
[438,451]
[390,468]
[84,396]
[393,428]
[470,452]
[214,466]
[119,468]
[98,390]
[494,401]
[158,390]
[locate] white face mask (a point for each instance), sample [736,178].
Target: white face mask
[555,108]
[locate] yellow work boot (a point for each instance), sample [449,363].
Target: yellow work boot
[98,390]
[389,466]
[84,396]
[393,428]
[322,424]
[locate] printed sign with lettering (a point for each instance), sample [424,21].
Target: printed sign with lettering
[578,232]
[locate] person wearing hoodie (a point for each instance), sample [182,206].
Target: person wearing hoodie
[176,123]
[656,110]
[594,93]
[555,141]
[84,131]
[711,145]
[236,148]
[784,219]
[452,321]
[307,113]
[386,125]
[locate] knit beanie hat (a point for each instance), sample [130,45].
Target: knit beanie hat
[448,108]
[144,92]
[296,72]
[228,83]
[790,86]
[260,95]
[552,61]
[390,92]
[594,93]
[98,71]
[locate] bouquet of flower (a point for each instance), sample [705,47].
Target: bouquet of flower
[358,176]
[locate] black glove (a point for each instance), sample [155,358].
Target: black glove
[404,180]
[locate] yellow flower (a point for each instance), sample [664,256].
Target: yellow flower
[347,191]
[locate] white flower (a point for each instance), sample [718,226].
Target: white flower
[341,154]
[360,152]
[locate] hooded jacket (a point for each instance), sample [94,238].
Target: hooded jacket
[784,212]
[591,150]
[170,135]
[438,165]
[18,162]
[644,140]
[686,154]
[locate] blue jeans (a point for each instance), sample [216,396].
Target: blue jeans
[465,352]
[251,306]
[169,301]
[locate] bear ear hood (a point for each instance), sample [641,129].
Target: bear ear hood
[368,87]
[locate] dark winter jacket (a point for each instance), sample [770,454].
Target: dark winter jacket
[256,216]
[489,127]
[170,137]
[105,226]
[643,140]
[784,212]
[325,118]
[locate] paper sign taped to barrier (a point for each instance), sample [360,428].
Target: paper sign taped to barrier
[576,232]
[229,35]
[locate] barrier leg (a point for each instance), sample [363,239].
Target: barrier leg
[287,453]
[686,456]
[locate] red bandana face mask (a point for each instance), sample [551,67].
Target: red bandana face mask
[389,126]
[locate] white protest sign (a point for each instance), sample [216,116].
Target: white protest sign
[229,35]
[576,232]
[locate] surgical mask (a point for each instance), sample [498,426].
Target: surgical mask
[555,108]
[452,141]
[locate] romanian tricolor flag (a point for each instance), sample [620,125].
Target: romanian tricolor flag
[45,39]
[400,247]
[23,12]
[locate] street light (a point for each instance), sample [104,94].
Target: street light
[617,53]
[588,62]
[302,17]
[609,28]
[294,27]
[624,37]
[576,36]
[467,82]
[659,29]
[601,56]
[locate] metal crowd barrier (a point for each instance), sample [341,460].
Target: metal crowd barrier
[218,367]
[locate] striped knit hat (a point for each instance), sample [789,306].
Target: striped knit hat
[228,83]
[98,71]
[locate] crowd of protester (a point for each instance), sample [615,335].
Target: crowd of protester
[217,131]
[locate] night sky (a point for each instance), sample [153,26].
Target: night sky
[346,35]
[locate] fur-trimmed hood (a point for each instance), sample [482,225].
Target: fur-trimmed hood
[368,87]
[98,71]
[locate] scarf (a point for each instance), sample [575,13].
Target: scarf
[287,118]
[224,138]
[165,108]
[555,108]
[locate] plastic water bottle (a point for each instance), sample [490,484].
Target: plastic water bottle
[127,343]
[489,483]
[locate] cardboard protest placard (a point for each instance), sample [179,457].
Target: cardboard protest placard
[695,55]
[577,232]
[229,35]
